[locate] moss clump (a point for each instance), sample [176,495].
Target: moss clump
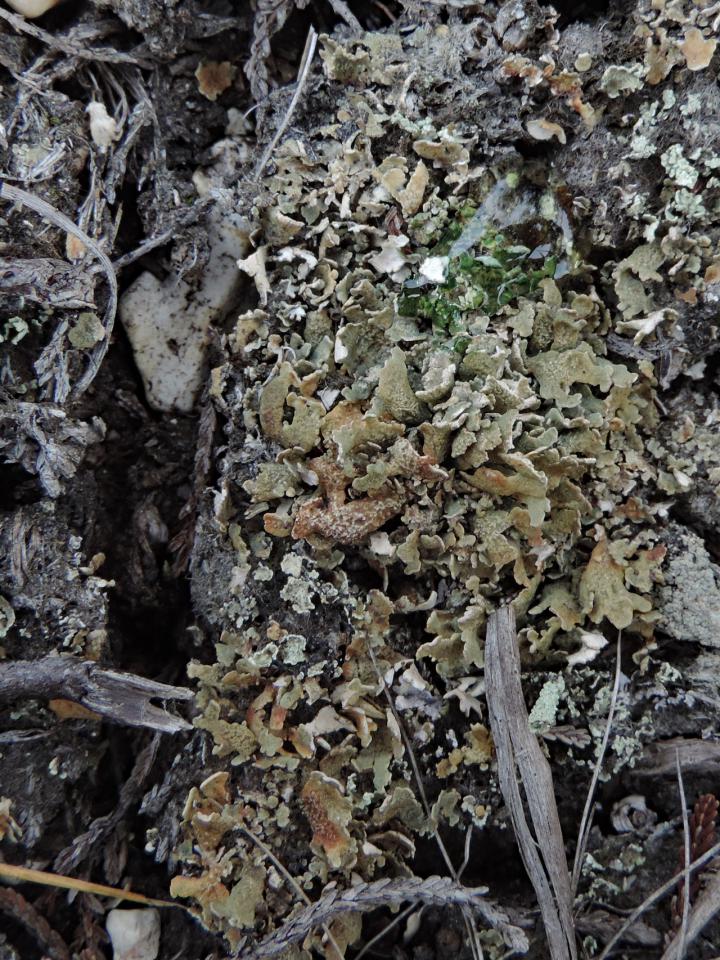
[495,275]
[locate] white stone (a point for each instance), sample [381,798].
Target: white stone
[134,934]
[32,8]
[168,320]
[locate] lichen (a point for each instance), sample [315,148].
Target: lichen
[444,407]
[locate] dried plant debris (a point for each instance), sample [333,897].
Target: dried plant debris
[45,441]
[437,403]
[521,760]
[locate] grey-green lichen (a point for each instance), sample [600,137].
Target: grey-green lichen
[434,421]
[691,595]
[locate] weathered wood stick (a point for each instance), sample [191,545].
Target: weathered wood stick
[121,697]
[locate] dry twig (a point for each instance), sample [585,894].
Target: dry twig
[81,846]
[684,889]
[289,878]
[69,45]
[520,760]
[303,73]
[468,918]
[182,542]
[586,820]
[121,697]
[270,16]
[343,10]
[658,758]
[45,879]
[386,930]
[47,281]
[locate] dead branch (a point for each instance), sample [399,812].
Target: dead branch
[270,16]
[520,760]
[658,758]
[46,442]
[343,10]
[123,698]
[468,918]
[179,220]
[290,879]
[403,915]
[182,543]
[601,924]
[438,891]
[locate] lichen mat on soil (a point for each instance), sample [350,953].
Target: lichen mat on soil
[454,345]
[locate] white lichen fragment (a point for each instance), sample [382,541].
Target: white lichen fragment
[32,8]
[590,645]
[103,128]
[254,266]
[292,649]
[545,130]
[134,934]
[434,269]
[298,593]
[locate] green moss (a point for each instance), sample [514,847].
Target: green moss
[496,274]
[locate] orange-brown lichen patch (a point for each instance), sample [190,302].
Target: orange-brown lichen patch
[278,716]
[277,525]
[331,478]
[329,812]
[272,400]
[334,518]
[348,523]
[214,78]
